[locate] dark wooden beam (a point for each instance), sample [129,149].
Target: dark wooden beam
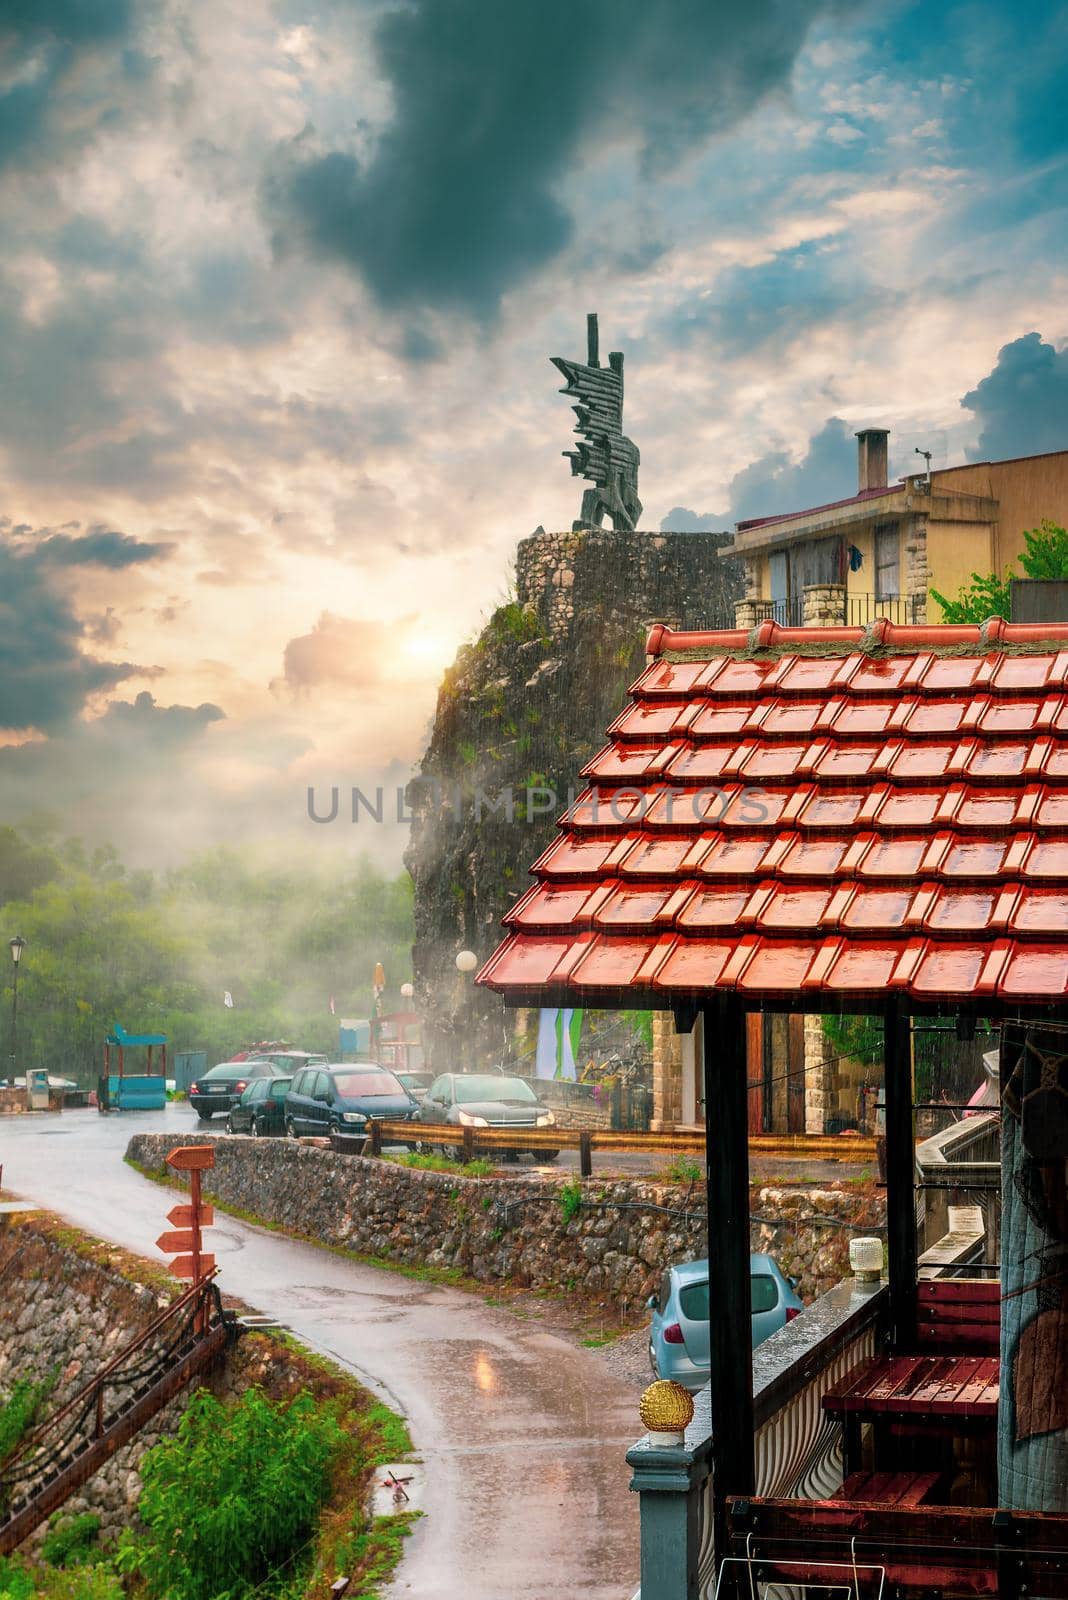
[900,1182]
[730,1305]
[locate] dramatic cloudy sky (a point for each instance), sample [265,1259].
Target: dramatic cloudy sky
[278,286]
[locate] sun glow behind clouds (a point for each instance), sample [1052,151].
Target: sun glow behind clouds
[429,647]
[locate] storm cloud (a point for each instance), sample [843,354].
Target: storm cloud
[1022,405]
[494,104]
[55,57]
[775,483]
[46,676]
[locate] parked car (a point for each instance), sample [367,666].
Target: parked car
[678,1332]
[486,1100]
[291,1061]
[343,1096]
[221,1087]
[416,1083]
[261,1109]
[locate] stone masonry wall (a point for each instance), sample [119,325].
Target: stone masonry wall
[494,1229]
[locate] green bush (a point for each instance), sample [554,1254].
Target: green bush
[19,1411]
[18,1581]
[15,1581]
[70,1541]
[978,601]
[1045,551]
[681,1169]
[570,1197]
[232,1499]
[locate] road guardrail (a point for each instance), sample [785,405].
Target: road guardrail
[470,1142]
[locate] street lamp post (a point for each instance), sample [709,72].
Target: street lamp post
[467,961]
[16,946]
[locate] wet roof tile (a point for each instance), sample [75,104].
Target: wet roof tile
[783,824]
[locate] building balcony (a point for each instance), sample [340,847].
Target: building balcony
[831,605]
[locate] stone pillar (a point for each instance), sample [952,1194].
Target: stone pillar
[820,1094]
[745,613]
[917,572]
[667,1072]
[823,605]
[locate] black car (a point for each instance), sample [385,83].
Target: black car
[222,1087]
[261,1109]
[341,1098]
[486,1100]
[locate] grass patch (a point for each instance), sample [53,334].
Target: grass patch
[374,1550]
[431,1163]
[682,1169]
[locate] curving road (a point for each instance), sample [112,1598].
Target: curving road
[522,1434]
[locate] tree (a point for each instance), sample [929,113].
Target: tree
[1046,551]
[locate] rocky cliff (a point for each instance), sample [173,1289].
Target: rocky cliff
[519,712]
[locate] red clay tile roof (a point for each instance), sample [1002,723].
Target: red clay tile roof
[820,828]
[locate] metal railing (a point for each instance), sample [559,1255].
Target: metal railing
[857,609]
[798,1449]
[70,1444]
[860,609]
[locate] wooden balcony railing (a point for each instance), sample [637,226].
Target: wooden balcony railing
[798,1449]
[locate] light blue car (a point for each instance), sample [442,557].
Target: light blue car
[678,1332]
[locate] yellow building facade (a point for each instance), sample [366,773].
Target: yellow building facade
[881,552]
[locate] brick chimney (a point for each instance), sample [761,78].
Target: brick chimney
[872,458]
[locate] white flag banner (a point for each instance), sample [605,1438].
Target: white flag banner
[545,1057]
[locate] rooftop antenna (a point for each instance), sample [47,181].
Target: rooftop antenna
[926,454]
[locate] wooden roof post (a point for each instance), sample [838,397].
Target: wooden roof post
[730,1300]
[900,1180]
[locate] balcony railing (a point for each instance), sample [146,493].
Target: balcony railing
[856,610]
[798,1448]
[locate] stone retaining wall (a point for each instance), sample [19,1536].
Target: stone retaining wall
[69,1304]
[514,1228]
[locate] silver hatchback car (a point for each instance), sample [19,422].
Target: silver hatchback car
[678,1332]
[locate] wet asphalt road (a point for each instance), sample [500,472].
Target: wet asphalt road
[522,1434]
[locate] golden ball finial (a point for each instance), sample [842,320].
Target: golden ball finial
[666,1407]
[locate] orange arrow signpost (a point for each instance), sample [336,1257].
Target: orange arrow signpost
[190,1262]
[180,1239]
[182,1217]
[192,1267]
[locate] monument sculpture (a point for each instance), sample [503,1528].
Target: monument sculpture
[605,455]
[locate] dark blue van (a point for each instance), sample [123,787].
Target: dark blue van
[340,1098]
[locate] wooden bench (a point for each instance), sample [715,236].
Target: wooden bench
[890,1488]
[909,1398]
[959,1315]
[981,1553]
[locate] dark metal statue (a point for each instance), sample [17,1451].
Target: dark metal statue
[605,455]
